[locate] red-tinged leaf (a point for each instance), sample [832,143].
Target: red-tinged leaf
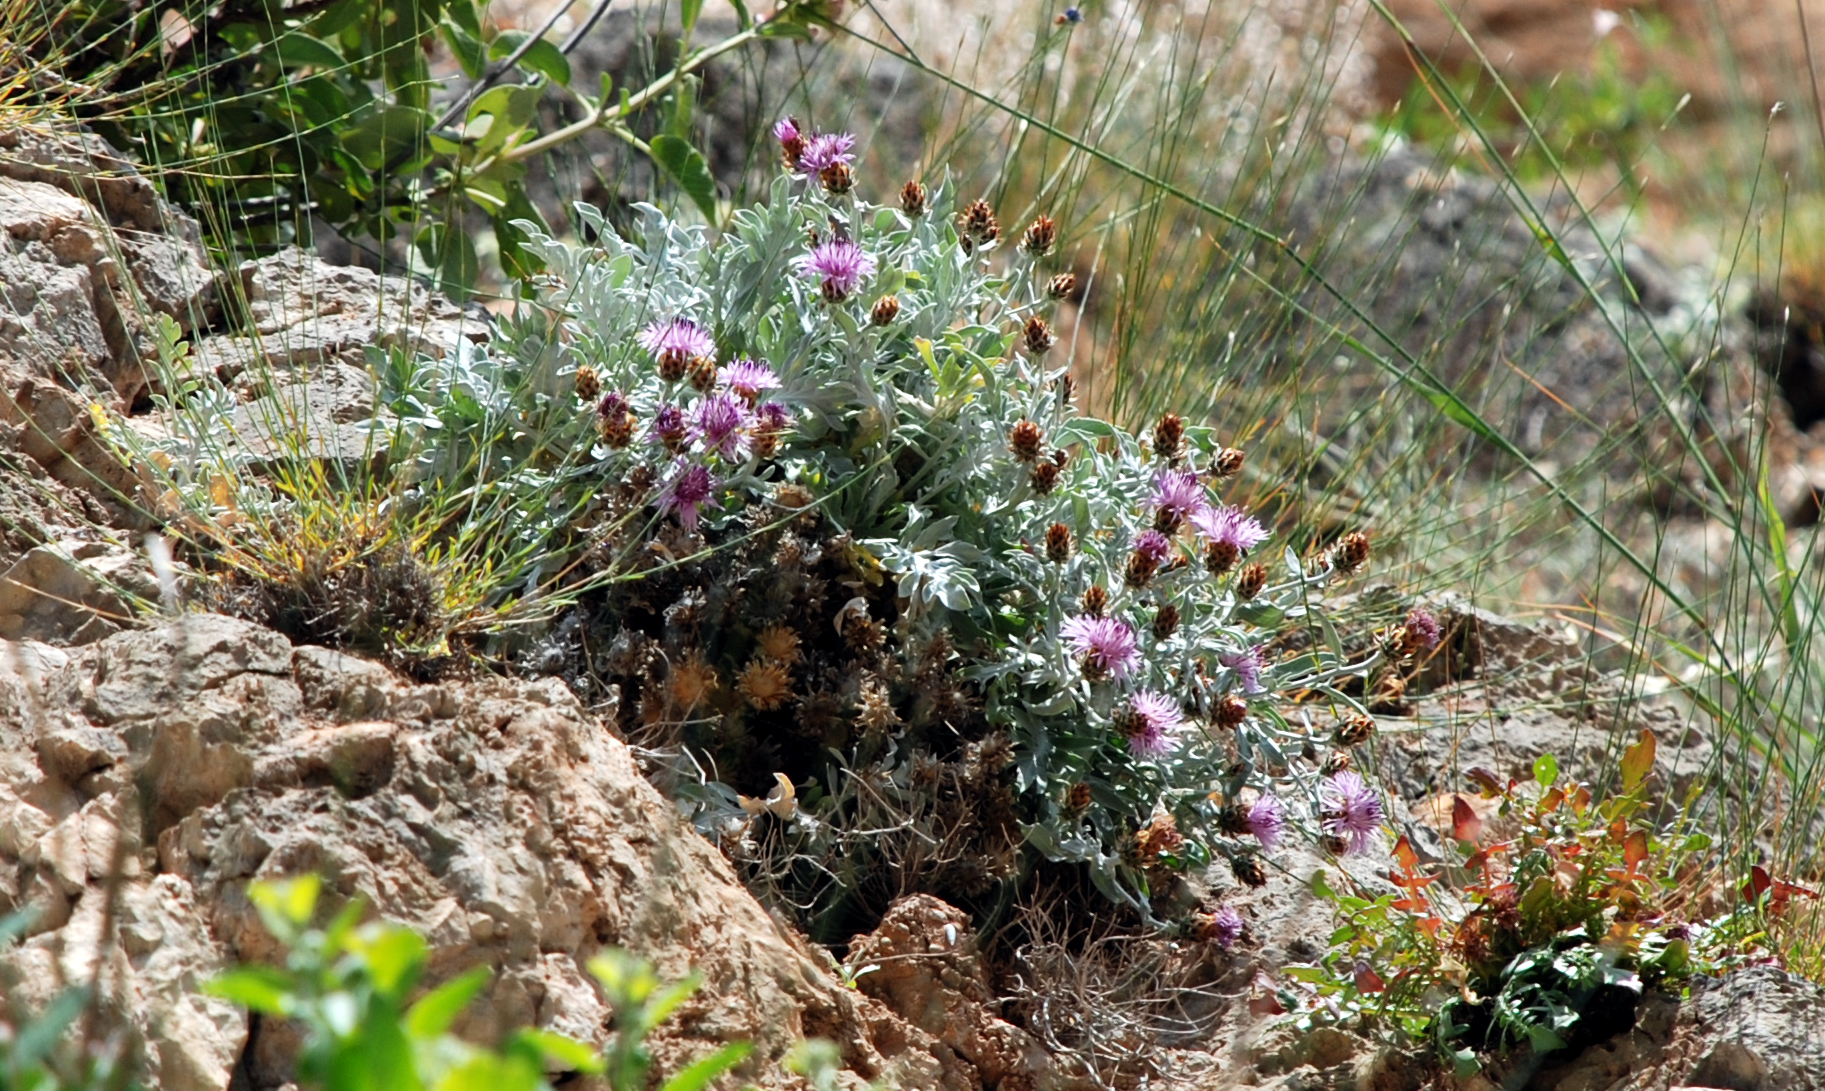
[1404,854]
[1757,884]
[1618,831]
[1637,760]
[1551,801]
[1367,980]
[1782,886]
[1465,825]
[1635,849]
[1485,780]
[1477,861]
[1581,800]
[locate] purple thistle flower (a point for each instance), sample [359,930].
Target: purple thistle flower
[1152,724]
[687,492]
[679,339]
[1230,526]
[826,150]
[1267,821]
[748,378]
[668,427]
[1107,644]
[840,265]
[1351,809]
[1226,926]
[718,422]
[1422,629]
[1153,545]
[1179,495]
[613,406]
[1247,665]
[775,417]
[785,130]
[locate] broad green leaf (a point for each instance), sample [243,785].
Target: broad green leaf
[688,10]
[256,988]
[543,57]
[394,956]
[468,49]
[1546,770]
[299,50]
[570,1054]
[686,165]
[287,905]
[700,1074]
[438,1009]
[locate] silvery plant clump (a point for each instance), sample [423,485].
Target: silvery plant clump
[841,544]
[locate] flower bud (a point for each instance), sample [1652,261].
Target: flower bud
[1026,440]
[1062,286]
[1166,622]
[1355,731]
[1220,557]
[1228,462]
[588,384]
[912,199]
[1041,234]
[1335,762]
[1351,553]
[1231,711]
[1077,798]
[1045,478]
[1058,543]
[1249,870]
[1096,600]
[979,222]
[1232,819]
[886,309]
[703,374]
[1169,436]
[1038,336]
[1250,581]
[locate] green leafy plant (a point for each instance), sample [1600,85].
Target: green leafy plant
[1543,923]
[351,986]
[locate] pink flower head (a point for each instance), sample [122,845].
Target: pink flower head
[718,422]
[1422,630]
[688,490]
[1226,927]
[678,339]
[1230,526]
[840,265]
[1152,724]
[613,406]
[826,150]
[1350,809]
[747,378]
[1267,821]
[785,130]
[669,427]
[1153,545]
[1247,665]
[1106,644]
[774,417]
[1179,495]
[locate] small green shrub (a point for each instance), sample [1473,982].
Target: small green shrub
[350,986]
[1542,935]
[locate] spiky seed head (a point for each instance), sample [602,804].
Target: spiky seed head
[1141,569]
[886,309]
[1232,819]
[1220,557]
[1027,440]
[1230,711]
[1355,731]
[1062,286]
[1351,553]
[1160,837]
[1041,234]
[876,711]
[1038,336]
[837,179]
[1077,798]
[1165,622]
[912,199]
[764,684]
[1096,601]
[778,643]
[1045,478]
[864,635]
[692,682]
[673,367]
[1249,870]
[1333,844]
[617,427]
[588,384]
[1228,462]
[1389,693]
[1335,762]
[703,374]
[1058,543]
[979,222]
[1250,580]
[1169,437]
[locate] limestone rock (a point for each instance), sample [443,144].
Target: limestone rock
[71,592]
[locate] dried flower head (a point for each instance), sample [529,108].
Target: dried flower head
[1350,553]
[839,266]
[748,378]
[793,497]
[979,222]
[1106,646]
[587,384]
[674,344]
[1169,437]
[864,636]
[691,682]
[1151,723]
[912,199]
[1165,621]
[1228,462]
[1250,581]
[886,309]
[1249,870]
[1058,543]
[1389,695]
[764,684]
[1160,837]
[1045,478]
[1027,440]
[1037,336]
[778,643]
[1230,710]
[690,488]
[875,708]
[1077,798]
[1349,809]
[1062,286]
[1232,819]
[1355,731]
[1096,601]
[1040,236]
[1420,633]
[1267,821]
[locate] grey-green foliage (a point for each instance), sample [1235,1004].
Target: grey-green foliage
[899,433]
